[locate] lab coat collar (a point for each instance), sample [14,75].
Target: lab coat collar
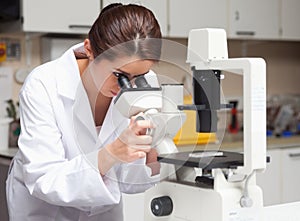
[69,85]
[113,124]
[82,112]
[68,76]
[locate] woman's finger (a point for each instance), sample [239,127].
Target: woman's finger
[143,140]
[144,148]
[141,126]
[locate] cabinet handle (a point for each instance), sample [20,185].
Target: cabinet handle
[80,26]
[248,33]
[294,155]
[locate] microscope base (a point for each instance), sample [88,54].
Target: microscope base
[189,202]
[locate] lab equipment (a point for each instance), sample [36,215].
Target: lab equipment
[226,188]
[159,104]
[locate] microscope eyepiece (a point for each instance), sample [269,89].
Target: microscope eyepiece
[124,81]
[141,82]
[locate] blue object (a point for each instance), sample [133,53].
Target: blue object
[269,133]
[287,133]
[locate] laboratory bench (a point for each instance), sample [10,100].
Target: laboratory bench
[237,144]
[8,154]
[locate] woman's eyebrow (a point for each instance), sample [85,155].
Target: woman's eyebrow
[144,73]
[129,75]
[123,72]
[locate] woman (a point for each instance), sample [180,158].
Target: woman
[75,154]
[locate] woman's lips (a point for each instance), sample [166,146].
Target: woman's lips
[114,93]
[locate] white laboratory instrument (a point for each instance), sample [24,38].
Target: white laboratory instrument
[226,190]
[159,104]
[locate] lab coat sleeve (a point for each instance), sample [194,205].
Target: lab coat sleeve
[136,177]
[48,175]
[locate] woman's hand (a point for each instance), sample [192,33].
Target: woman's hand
[131,145]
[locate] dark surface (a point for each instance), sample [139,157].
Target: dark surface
[227,160]
[206,88]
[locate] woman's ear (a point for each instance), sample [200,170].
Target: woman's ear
[88,49]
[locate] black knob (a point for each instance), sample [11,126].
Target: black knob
[162,206]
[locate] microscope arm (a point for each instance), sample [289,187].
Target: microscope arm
[253,71]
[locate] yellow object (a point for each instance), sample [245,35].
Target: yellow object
[2,51]
[187,134]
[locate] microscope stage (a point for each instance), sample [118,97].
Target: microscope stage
[204,159]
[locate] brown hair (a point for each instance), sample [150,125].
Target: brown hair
[132,26]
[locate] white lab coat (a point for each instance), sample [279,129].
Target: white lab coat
[54,175]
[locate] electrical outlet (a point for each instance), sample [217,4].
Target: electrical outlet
[13,49]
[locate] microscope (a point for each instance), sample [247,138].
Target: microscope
[225,189]
[158,104]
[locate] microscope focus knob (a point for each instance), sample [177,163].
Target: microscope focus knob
[162,206]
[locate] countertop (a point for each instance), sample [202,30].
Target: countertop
[237,145]
[9,152]
[283,212]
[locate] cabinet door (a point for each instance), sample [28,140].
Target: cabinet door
[158,7]
[290,18]
[257,19]
[270,180]
[193,14]
[67,16]
[290,175]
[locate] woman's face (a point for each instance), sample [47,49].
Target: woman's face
[133,69]
[102,71]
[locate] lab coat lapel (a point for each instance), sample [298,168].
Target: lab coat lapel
[84,125]
[83,114]
[113,125]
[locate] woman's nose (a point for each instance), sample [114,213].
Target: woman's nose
[117,88]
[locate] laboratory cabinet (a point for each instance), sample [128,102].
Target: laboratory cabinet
[194,14]
[158,7]
[254,19]
[290,17]
[177,17]
[56,16]
[281,181]
[290,175]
